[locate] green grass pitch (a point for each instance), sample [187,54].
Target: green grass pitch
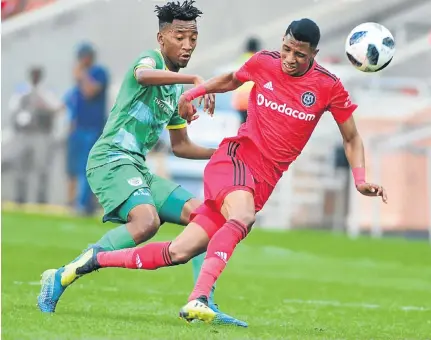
[286,285]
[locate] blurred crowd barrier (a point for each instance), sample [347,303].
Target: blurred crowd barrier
[399,156]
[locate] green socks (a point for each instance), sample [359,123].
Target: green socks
[116,239]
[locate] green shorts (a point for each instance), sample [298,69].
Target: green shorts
[122,185]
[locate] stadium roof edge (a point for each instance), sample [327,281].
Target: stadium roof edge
[28,19]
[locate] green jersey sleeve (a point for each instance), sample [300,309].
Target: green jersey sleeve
[151,59]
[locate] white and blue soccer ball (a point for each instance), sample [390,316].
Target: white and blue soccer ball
[370,47]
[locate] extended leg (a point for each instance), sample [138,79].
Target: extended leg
[197,261]
[143,223]
[238,208]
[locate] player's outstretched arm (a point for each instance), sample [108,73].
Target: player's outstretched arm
[153,77]
[354,149]
[148,77]
[220,84]
[183,147]
[223,83]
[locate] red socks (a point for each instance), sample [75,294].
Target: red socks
[150,257]
[156,255]
[220,249]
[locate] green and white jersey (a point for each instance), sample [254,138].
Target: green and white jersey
[138,117]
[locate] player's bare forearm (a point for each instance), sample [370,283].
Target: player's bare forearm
[354,149]
[353,145]
[183,147]
[223,83]
[145,76]
[192,151]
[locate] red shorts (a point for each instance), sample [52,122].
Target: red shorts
[228,171]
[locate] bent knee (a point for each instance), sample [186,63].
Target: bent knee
[239,205]
[144,227]
[180,255]
[245,217]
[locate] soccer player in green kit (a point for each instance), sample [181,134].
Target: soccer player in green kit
[116,169]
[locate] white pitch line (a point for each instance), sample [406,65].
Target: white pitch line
[333,303]
[79,286]
[414,308]
[30,283]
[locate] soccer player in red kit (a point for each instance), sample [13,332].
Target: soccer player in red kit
[291,92]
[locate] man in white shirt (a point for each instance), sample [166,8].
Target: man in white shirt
[32,110]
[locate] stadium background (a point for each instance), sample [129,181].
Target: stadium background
[391,104]
[394,118]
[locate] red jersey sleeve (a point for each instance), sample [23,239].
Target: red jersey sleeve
[340,105]
[248,70]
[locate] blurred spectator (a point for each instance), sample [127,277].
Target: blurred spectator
[240,96]
[32,109]
[71,164]
[87,106]
[252,46]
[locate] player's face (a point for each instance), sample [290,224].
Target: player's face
[296,56]
[178,41]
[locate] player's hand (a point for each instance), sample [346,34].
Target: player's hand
[369,189]
[187,110]
[209,99]
[78,72]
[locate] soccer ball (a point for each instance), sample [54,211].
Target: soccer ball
[370,47]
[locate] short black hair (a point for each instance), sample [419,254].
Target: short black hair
[305,30]
[174,10]
[253,44]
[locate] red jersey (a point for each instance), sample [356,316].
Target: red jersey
[284,110]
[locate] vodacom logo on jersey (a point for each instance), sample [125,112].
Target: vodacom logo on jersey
[283,108]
